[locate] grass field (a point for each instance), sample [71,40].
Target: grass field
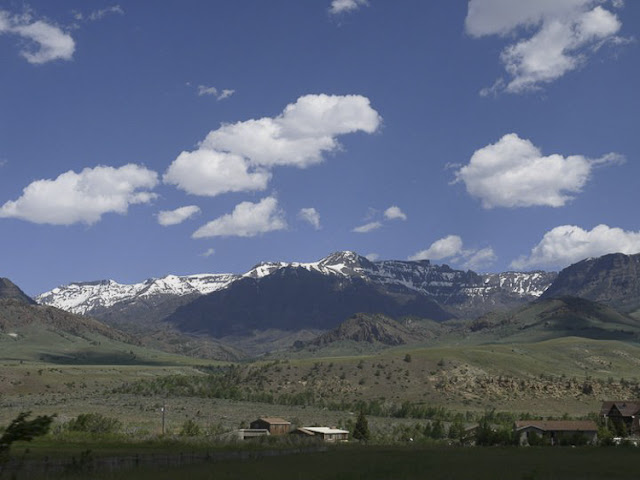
[405,463]
[545,378]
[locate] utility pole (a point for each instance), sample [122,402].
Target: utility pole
[164,408]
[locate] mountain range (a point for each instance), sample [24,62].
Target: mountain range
[277,304]
[294,296]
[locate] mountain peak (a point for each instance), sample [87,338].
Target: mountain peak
[8,289]
[346,260]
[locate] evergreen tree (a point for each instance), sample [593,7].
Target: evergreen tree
[361,429]
[21,429]
[437,429]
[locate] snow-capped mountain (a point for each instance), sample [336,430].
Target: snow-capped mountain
[464,293]
[86,297]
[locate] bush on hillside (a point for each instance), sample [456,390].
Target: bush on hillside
[94,423]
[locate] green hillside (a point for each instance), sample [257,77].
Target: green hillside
[46,334]
[556,318]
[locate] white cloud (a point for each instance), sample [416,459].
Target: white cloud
[214,92]
[367,227]
[300,134]
[179,215]
[569,244]
[447,247]
[247,220]
[311,216]
[226,93]
[391,213]
[204,90]
[343,6]
[209,252]
[565,33]
[237,157]
[513,173]
[394,213]
[83,197]
[98,14]
[372,257]
[480,259]
[46,42]
[451,247]
[210,173]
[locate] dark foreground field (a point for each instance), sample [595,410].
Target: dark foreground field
[376,462]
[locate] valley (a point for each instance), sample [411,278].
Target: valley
[406,343]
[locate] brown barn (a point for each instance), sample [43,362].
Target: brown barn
[622,413]
[275,425]
[325,433]
[557,431]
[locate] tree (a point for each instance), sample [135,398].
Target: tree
[21,429]
[457,430]
[437,429]
[361,429]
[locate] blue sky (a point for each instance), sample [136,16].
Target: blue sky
[139,139]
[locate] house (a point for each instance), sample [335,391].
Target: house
[557,431]
[618,413]
[325,433]
[275,425]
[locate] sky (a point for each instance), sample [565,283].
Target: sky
[140,139]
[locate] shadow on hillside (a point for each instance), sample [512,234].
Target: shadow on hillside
[99,358]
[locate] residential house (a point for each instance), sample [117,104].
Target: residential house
[618,413]
[325,433]
[557,431]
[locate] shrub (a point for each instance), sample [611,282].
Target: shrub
[190,429]
[94,423]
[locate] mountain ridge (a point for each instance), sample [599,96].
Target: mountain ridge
[457,290]
[612,279]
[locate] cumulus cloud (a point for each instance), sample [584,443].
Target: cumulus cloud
[44,42]
[300,134]
[513,173]
[210,173]
[239,156]
[209,252]
[311,216]
[83,197]
[343,6]
[482,258]
[447,247]
[367,227]
[569,244]
[394,213]
[179,215]
[247,220]
[214,92]
[560,37]
[451,247]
